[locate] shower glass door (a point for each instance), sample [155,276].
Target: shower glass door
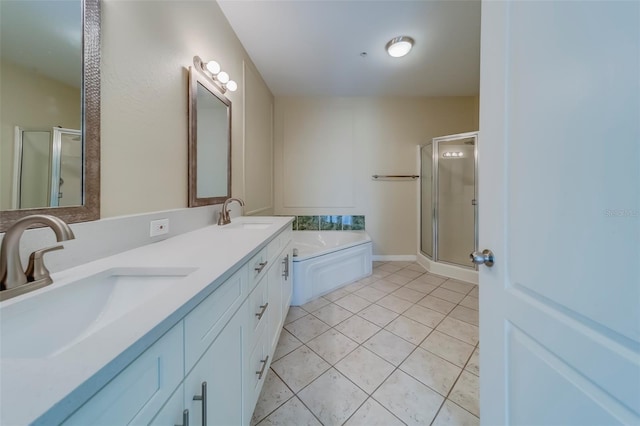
[426,195]
[456,234]
[48,168]
[66,181]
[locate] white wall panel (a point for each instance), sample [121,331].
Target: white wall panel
[318,156]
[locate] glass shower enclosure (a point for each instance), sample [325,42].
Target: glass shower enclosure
[48,168]
[448,199]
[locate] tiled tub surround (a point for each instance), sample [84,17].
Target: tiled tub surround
[58,384]
[328,223]
[398,347]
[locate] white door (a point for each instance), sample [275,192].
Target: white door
[559,180]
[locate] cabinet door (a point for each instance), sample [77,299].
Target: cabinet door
[136,394]
[287,279]
[275,304]
[173,412]
[221,369]
[202,325]
[257,366]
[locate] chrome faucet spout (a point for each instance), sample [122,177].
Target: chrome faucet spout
[224,218]
[11,273]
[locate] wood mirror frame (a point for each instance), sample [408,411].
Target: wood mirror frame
[197,77]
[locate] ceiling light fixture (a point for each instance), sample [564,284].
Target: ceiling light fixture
[212,70]
[399,46]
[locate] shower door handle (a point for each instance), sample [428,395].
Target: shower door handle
[482,257]
[474,202]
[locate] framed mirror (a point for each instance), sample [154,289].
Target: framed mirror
[50,103]
[209,142]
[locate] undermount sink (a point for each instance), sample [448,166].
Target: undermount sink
[247,225]
[50,322]
[255,225]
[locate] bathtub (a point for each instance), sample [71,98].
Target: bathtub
[326,260]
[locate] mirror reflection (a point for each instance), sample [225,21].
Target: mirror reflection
[41,151]
[209,142]
[212,146]
[48,168]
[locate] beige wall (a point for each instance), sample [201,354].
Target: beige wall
[147,47]
[31,101]
[327,148]
[258,145]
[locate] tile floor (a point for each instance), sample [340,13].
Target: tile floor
[398,347]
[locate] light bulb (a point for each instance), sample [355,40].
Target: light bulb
[232,86]
[223,77]
[213,67]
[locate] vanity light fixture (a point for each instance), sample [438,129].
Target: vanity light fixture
[213,67]
[399,46]
[450,154]
[212,70]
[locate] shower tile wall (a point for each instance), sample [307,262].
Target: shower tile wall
[329,223]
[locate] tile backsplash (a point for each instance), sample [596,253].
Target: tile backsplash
[329,223]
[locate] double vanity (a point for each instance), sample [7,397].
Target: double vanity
[179,332]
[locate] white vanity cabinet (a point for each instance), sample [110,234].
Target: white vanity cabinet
[213,389]
[136,394]
[280,292]
[211,393]
[267,315]
[210,367]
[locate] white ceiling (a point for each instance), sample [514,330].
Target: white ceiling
[312,47]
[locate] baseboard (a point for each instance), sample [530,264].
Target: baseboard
[394,258]
[448,271]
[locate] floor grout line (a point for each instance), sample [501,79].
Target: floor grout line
[398,315]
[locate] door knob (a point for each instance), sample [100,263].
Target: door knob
[484,257]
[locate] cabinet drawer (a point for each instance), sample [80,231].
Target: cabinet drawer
[258,362]
[136,394]
[203,324]
[258,266]
[258,312]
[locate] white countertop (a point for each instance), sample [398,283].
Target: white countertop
[46,390]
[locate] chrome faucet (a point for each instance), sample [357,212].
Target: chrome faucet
[224,218]
[13,280]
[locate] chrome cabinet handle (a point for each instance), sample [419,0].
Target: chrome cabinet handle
[285,273]
[484,257]
[260,266]
[263,308]
[264,365]
[203,398]
[185,418]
